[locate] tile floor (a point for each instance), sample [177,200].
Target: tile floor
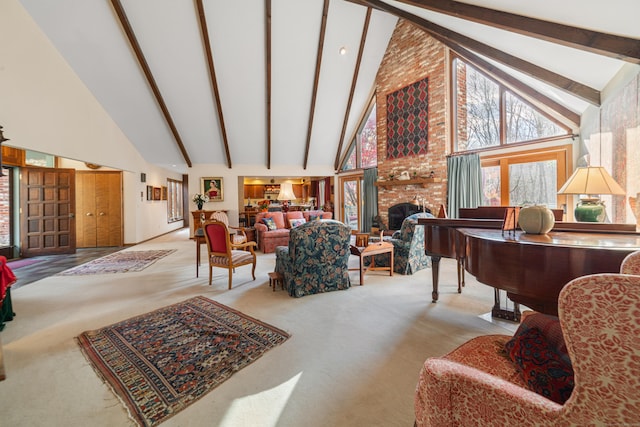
[53,264]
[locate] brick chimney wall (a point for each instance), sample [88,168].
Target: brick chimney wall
[411,56]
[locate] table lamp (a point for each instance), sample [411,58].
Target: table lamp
[286,193]
[591,181]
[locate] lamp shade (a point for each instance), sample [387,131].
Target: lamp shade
[591,180]
[286,192]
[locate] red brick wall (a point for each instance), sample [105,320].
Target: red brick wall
[411,56]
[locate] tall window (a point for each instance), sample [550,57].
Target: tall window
[351,187]
[363,152]
[174,200]
[489,115]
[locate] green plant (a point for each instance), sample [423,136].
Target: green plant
[200,198]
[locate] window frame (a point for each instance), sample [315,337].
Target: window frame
[355,142]
[562,154]
[502,125]
[175,191]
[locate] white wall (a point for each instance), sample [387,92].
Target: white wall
[45,107]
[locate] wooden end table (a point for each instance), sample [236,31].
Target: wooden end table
[370,250]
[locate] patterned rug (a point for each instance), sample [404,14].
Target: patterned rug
[118,262]
[161,362]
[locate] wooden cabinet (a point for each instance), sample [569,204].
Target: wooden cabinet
[297,190]
[197,218]
[254,191]
[98,209]
[12,156]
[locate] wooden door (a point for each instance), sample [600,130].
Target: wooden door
[99,207]
[47,207]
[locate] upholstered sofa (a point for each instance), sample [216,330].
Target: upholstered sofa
[499,380]
[268,240]
[316,258]
[408,247]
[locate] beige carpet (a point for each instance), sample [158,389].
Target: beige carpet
[352,360]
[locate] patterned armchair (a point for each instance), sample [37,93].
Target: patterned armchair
[408,247]
[316,259]
[631,264]
[477,385]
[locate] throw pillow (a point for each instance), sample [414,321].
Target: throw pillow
[541,367]
[270,223]
[315,217]
[550,328]
[294,222]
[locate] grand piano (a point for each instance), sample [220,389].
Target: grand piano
[532,269]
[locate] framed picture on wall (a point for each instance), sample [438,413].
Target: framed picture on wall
[164,192]
[149,192]
[157,193]
[212,187]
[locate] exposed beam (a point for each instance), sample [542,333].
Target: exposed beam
[613,46]
[356,71]
[316,79]
[541,101]
[133,41]
[212,77]
[451,38]
[268,78]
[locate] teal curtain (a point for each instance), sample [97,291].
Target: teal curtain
[464,186]
[370,196]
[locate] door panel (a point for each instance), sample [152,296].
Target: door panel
[99,201]
[47,198]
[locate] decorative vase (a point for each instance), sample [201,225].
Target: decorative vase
[199,206]
[589,210]
[536,219]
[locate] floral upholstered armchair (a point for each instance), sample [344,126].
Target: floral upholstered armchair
[316,259]
[631,264]
[524,380]
[408,247]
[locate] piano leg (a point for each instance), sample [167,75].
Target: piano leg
[460,274]
[435,274]
[503,313]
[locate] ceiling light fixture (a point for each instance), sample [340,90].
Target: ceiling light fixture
[343,50]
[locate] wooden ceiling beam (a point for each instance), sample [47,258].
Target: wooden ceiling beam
[452,39]
[268,78]
[612,46]
[354,81]
[212,77]
[133,41]
[316,79]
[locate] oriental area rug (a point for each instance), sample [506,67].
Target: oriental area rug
[161,362]
[118,262]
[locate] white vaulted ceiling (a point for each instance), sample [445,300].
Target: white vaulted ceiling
[266,83]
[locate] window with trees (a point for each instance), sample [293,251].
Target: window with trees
[489,115]
[175,210]
[529,177]
[363,151]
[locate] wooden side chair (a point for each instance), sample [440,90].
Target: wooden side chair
[224,254]
[239,236]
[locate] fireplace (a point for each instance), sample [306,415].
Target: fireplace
[397,213]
